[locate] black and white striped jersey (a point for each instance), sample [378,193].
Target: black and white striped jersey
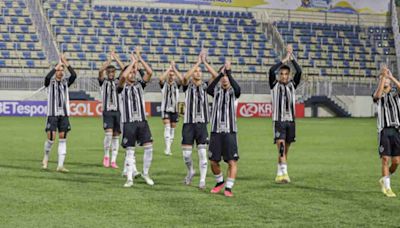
[57,93]
[284,95]
[223,114]
[196,103]
[132,101]
[109,94]
[388,109]
[170,97]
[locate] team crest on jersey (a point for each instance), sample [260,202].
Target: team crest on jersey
[381,149]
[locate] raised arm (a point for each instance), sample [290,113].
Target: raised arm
[191,71]
[393,79]
[51,74]
[214,74]
[274,68]
[125,73]
[232,81]
[103,69]
[297,76]
[177,73]
[164,76]
[272,74]
[379,91]
[117,59]
[71,70]
[211,86]
[149,71]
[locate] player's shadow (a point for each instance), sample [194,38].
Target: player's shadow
[327,190]
[66,163]
[68,178]
[28,168]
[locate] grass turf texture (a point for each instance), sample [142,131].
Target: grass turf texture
[334,168]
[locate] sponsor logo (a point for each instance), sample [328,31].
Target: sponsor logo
[124,140]
[381,149]
[260,109]
[23,108]
[85,108]
[255,109]
[277,134]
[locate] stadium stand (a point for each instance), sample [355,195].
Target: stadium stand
[89,32]
[20,46]
[338,50]
[342,48]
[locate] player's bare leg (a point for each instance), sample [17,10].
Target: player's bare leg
[219,177]
[232,172]
[385,180]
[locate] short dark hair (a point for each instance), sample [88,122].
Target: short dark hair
[284,67]
[111,67]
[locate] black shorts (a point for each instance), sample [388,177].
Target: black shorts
[223,145]
[194,132]
[285,130]
[172,116]
[112,120]
[136,132]
[60,123]
[389,142]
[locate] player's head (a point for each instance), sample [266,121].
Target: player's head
[59,72]
[284,74]
[133,73]
[224,80]
[171,76]
[111,71]
[197,74]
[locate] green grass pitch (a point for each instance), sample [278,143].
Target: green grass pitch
[334,167]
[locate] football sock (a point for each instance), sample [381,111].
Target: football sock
[230,182]
[147,158]
[107,143]
[187,158]
[62,151]
[130,162]
[202,162]
[386,181]
[114,148]
[47,148]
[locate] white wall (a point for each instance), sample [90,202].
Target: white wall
[359,106]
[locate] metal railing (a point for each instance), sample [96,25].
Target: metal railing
[48,41]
